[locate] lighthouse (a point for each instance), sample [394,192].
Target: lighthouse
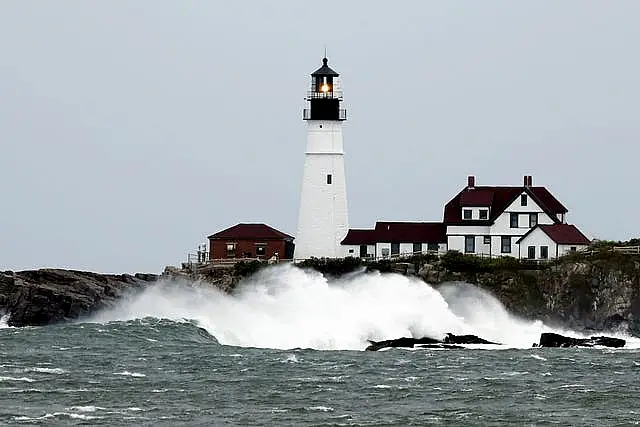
[323,219]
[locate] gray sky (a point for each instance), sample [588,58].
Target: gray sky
[129,131]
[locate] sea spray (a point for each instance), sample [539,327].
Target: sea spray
[286,307]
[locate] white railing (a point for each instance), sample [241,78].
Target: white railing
[201,259]
[632,250]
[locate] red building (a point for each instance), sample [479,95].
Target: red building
[250,241]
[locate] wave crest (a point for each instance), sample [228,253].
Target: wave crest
[286,307]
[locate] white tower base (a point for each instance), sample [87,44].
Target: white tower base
[323,219]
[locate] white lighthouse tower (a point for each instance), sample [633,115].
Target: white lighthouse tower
[323,220]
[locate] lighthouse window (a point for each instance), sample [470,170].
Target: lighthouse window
[329,179]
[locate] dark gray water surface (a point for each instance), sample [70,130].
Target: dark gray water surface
[165,373]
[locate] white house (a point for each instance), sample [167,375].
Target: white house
[551,241]
[395,238]
[490,220]
[518,221]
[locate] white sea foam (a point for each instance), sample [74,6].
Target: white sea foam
[285,307]
[56,371]
[320,408]
[130,374]
[4,321]
[291,358]
[70,415]
[23,379]
[88,408]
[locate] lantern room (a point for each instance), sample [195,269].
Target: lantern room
[325,95]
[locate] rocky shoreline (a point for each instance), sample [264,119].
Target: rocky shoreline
[42,297]
[598,292]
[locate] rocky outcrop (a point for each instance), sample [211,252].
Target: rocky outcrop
[225,277]
[549,339]
[449,341]
[598,291]
[42,297]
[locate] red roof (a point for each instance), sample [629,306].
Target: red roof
[360,237]
[562,234]
[251,232]
[498,199]
[398,232]
[476,198]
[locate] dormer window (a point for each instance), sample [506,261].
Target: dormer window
[484,214]
[523,200]
[466,214]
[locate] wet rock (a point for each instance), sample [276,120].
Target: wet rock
[41,297]
[549,339]
[465,339]
[450,341]
[400,342]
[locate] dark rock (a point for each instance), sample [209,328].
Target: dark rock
[147,277]
[608,341]
[400,342]
[41,297]
[465,339]
[426,342]
[549,339]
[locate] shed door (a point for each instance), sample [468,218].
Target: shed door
[363,251]
[395,248]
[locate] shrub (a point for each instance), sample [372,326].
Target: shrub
[332,266]
[247,268]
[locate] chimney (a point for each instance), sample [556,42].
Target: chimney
[471,181]
[528,181]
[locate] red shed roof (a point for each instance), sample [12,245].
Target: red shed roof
[251,232]
[562,234]
[398,232]
[498,199]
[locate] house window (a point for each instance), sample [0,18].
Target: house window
[484,214]
[417,248]
[469,244]
[487,240]
[531,252]
[533,220]
[544,252]
[385,252]
[261,249]
[231,250]
[351,251]
[433,247]
[523,200]
[466,214]
[506,244]
[329,179]
[395,249]
[573,249]
[514,220]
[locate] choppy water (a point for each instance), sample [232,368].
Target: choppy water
[130,367]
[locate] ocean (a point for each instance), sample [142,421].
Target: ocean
[286,349]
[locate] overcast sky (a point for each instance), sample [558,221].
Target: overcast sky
[129,131]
